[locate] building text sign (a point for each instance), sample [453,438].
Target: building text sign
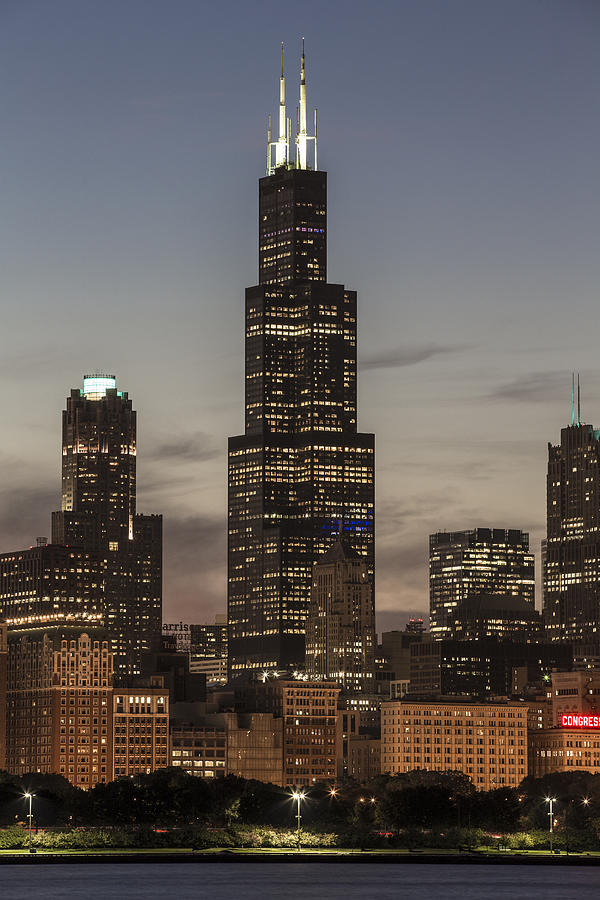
[574,720]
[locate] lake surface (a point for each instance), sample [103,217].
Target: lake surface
[288,881]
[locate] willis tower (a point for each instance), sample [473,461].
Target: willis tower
[301,476]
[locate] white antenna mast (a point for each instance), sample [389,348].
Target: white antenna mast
[281,145]
[302,137]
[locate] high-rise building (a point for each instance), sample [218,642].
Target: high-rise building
[141,728]
[571,576]
[301,467]
[340,627]
[51,585]
[99,514]
[3,704]
[463,564]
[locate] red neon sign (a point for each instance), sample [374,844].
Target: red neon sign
[570,720]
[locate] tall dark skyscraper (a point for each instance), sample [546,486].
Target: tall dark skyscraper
[99,514]
[572,548]
[301,467]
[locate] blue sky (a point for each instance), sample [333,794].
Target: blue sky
[462,142]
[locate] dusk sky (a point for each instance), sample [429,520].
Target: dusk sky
[462,145]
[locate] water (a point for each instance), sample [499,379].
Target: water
[305,881]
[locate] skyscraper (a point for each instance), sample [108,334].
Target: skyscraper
[301,467]
[340,627]
[99,514]
[465,564]
[571,576]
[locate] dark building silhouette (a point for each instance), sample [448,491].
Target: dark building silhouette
[301,467]
[463,564]
[99,515]
[486,667]
[571,557]
[497,615]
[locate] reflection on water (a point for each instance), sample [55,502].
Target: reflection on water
[287,881]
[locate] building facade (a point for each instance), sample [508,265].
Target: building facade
[463,564]
[51,585]
[59,704]
[487,742]
[301,467]
[340,626]
[98,514]
[140,729]
[486,667]
[309,713]
[571,576]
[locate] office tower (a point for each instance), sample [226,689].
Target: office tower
[301,467]
[99,514]
[483,667]
[463,564]
[497,615]
[50,585]
[340,626]
[59,703]
[571,577]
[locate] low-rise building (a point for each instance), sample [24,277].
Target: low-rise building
[141,728]
[568,748]
[485,741]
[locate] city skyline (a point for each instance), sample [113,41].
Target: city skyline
[463,397]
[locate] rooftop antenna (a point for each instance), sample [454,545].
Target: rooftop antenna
[572,398]
[302,136]
[281,145]
[578,401]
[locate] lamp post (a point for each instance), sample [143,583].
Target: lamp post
[551,801]
[29,797]
[298,796]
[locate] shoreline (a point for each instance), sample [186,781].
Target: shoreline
[360,857]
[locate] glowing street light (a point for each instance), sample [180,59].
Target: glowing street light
[29,797]
[298,796]
[333,792]
[551,801]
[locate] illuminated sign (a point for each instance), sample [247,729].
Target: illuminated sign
[573,720]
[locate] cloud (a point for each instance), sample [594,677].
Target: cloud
[24,514]
[196,447]
[538,387]
[407,356]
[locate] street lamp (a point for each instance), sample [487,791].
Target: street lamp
[551,801]
[298,796]
[29,797]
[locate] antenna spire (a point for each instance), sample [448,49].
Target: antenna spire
[578,401]
[572,398]
[282,144]
[302,137]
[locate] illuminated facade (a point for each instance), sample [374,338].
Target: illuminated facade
[462,564]
[99,514]
[309,712]
[564,749]
[59,704]
[140,729]
[301,467]
[487,742]
[340,627]
[51,585]
[571,576]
